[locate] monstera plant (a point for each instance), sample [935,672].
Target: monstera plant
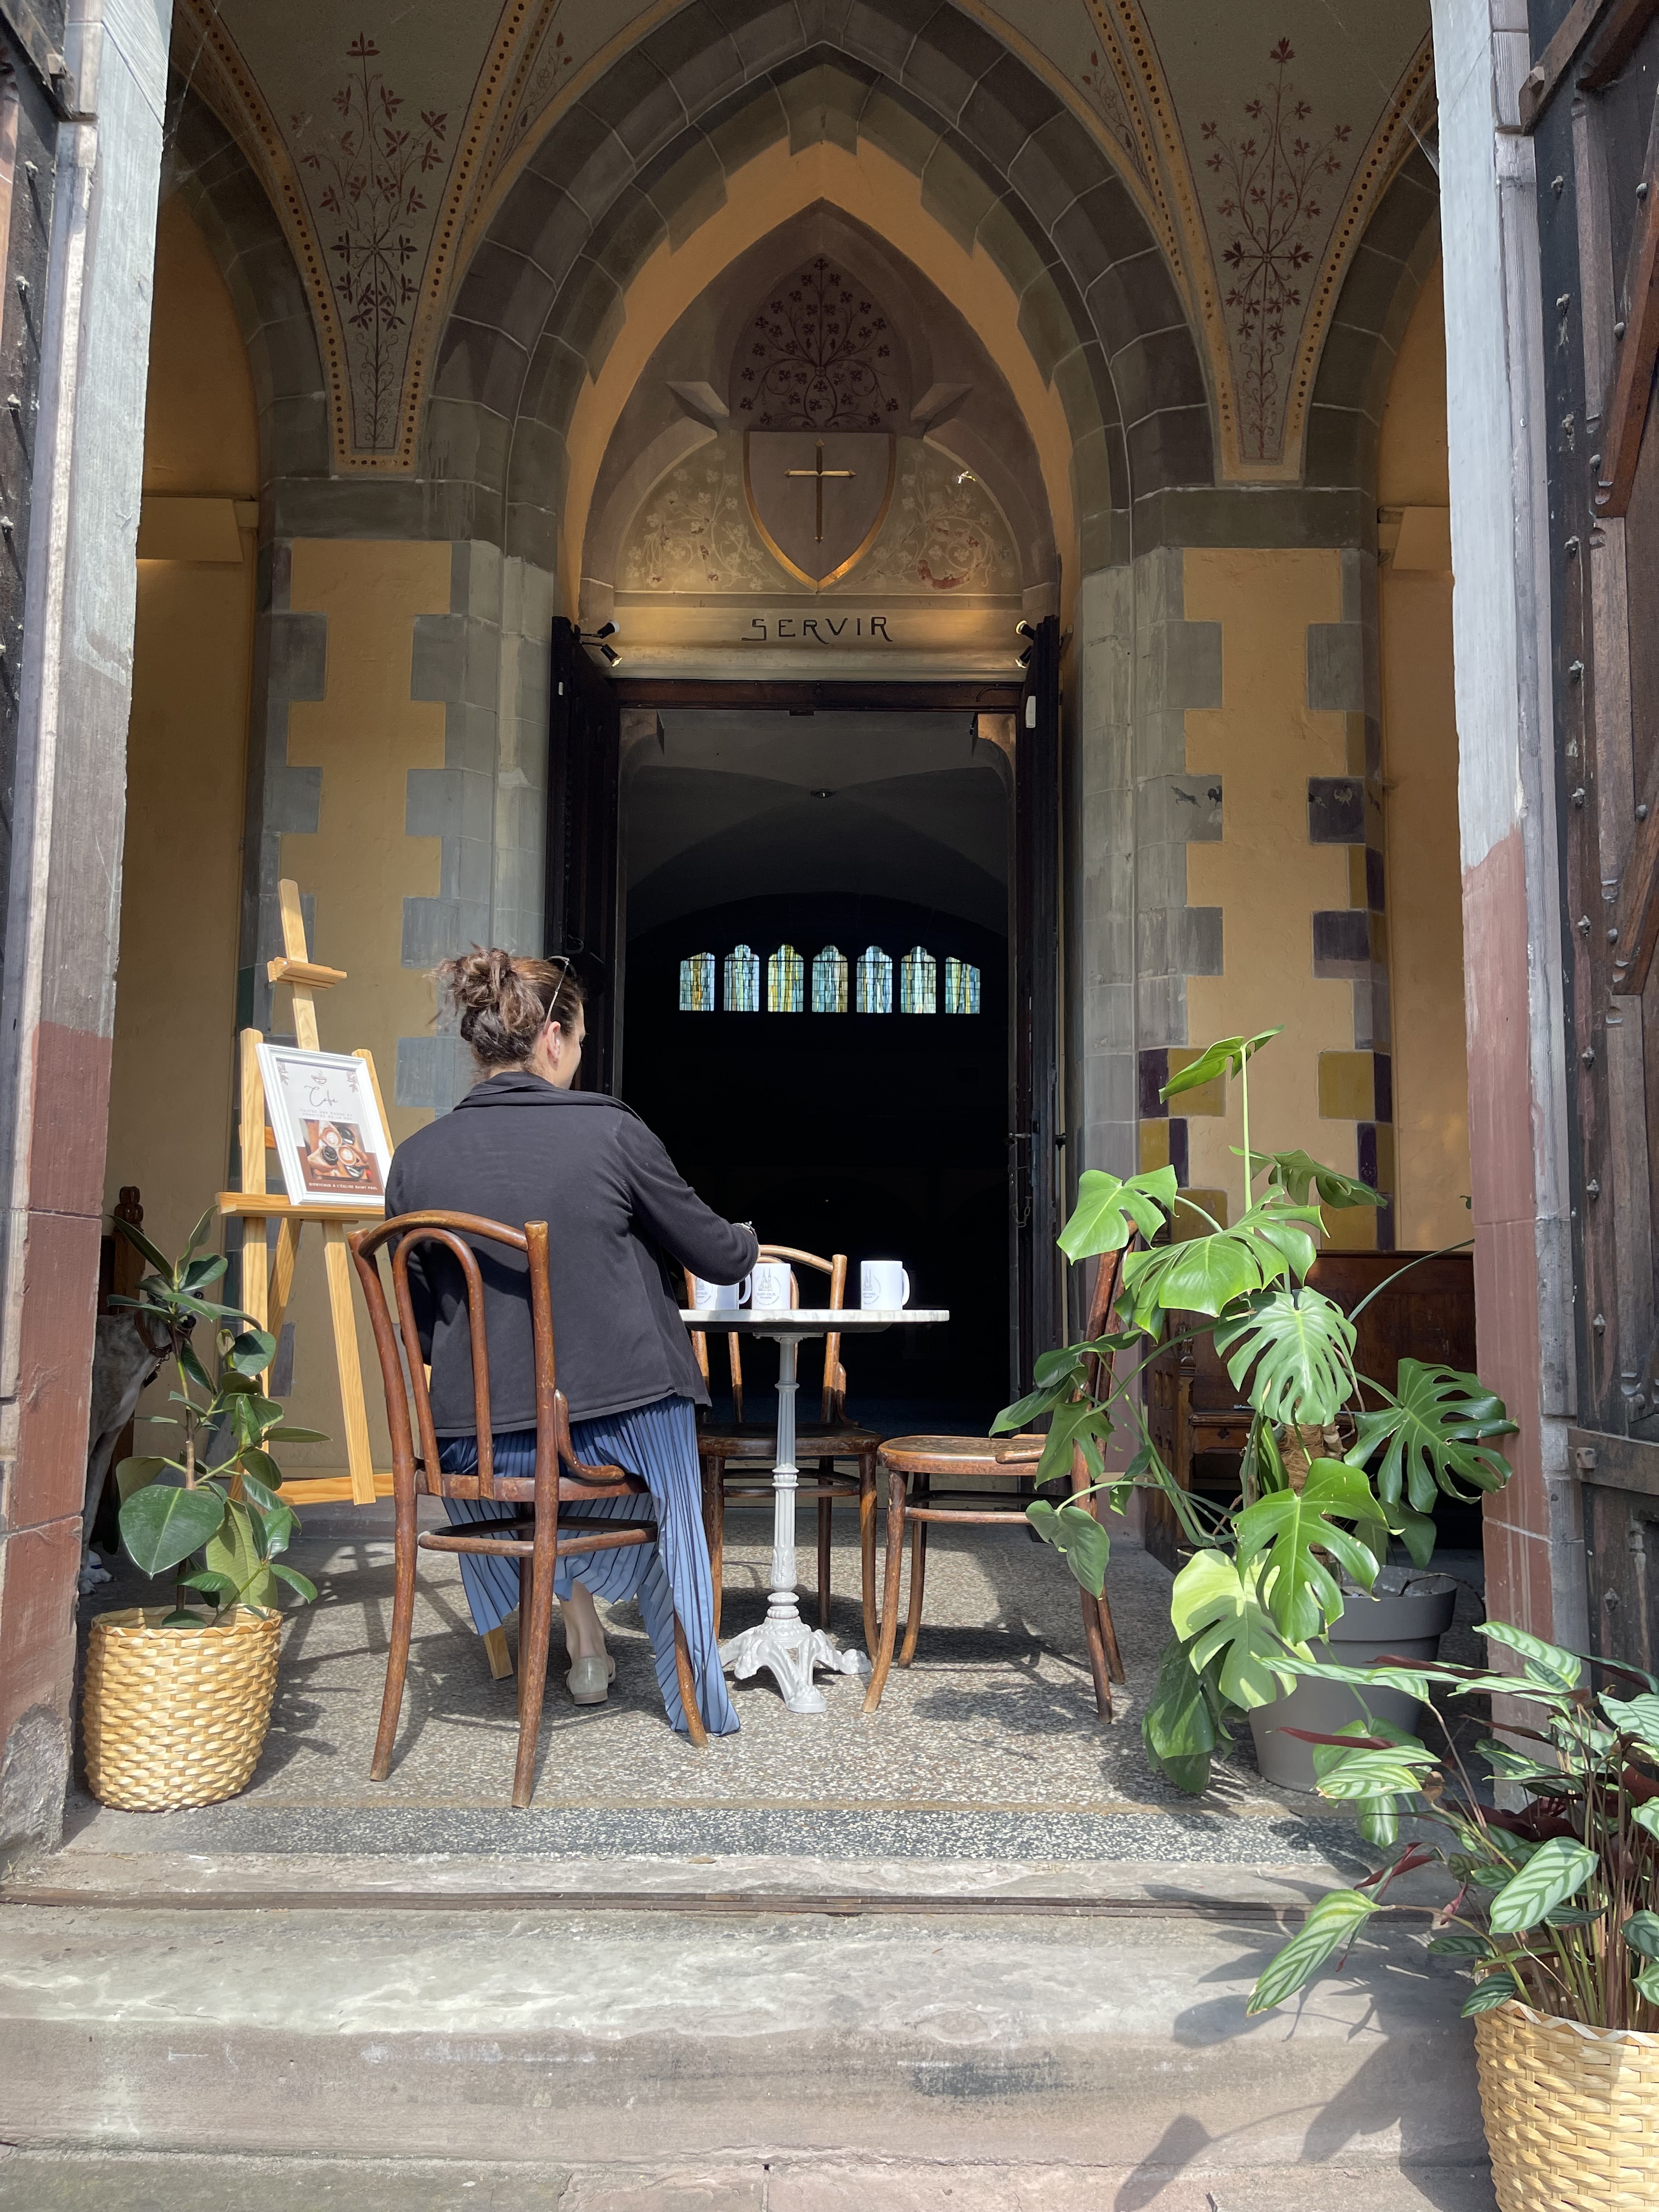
[1336,1466]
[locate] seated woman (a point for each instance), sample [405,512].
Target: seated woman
[522,1146]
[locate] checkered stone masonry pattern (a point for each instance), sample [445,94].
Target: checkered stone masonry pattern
[1350,944]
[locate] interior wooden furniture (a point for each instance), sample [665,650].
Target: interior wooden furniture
[924,1461]
[1199,1425]
[535,1535]
[820,1443]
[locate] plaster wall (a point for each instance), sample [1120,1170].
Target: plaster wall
[364,735]
[1419,749]
[174,1065]
[1265,876]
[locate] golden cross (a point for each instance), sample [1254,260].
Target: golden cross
[819,474]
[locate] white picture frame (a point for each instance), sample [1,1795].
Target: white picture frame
[332,1144]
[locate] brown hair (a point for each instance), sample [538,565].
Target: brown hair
[503,999]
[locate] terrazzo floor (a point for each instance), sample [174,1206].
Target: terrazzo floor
[988,1746]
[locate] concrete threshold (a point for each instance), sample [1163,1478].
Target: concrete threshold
[37,2181]
[197,1881]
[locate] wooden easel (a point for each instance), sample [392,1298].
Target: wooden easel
[265,1298]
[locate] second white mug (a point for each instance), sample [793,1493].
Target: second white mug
[718,1298]
[770,1292]
[884,1286]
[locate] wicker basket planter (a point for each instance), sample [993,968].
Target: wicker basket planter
[176,1717]
[1572,2112]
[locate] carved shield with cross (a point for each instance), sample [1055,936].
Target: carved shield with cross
[819,497]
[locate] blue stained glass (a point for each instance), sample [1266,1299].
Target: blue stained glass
[875,994]
[698,984]
[961,988]
[830,981]
[918,982]
[742,981]
[786,979]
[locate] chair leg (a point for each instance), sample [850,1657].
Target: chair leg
[826,1507]
[532,1655]
[694,1727]
[713,1517]
[1092,1638]
[918,1578]
[397,1657]
[867,1549]
[1114,1657]
[883,1653]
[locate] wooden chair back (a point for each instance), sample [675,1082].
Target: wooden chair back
[558,1472]
[834,1401]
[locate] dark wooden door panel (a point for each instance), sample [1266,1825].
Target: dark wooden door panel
[583,774]
[1035,930]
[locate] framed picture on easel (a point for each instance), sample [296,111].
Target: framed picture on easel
[329,1140]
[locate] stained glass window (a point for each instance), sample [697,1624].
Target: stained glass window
[918,982]
[742,981]
[786,979]
[875,981]
[961,988]
[698,984]
[830,981]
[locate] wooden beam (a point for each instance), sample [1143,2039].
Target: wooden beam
[258,1202]
[1635,917]
[1611,28]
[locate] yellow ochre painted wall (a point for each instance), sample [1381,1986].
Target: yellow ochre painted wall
[1419,752]
[365,733]
[175,1010]
[1265,742]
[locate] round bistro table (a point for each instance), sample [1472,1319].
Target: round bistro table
[783,1643]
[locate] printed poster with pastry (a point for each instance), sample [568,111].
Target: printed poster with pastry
[327,1121]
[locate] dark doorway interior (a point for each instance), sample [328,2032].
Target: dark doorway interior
[879,1134]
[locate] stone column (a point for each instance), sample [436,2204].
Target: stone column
[1511,895]
[62,915]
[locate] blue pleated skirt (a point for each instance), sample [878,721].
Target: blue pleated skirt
[658,1442]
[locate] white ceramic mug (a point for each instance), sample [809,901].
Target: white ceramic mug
[884,1286]
[770,1291]
[718,1298]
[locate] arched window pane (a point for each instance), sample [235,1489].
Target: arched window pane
[785,979]
[742,981]
[961,988]
[875,981]
[918,982]
[698,984]
[830,981]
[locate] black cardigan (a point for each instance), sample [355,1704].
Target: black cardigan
[516,1150]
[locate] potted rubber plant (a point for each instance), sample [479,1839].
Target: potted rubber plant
[177,1699]
[1337,1466]
[1554,1909]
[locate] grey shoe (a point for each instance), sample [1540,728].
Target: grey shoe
[590,1679]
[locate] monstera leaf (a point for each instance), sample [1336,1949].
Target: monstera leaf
[1435,1431]
[1077,1537]
[1185,1722]
[1298,1173]
[1218,1612]
[1280,1538]
[1226,1056]
[1107,1211]
[1300,1346]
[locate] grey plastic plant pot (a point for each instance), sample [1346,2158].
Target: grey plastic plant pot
[1407,1624]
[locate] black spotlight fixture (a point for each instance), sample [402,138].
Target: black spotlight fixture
[1024,629]
[598,637]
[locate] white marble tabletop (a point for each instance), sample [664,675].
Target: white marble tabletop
[806,1321]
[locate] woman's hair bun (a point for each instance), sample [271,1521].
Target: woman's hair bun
[504,1000]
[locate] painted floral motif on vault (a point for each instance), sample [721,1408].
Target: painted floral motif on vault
[945,534]
[818,356]
[371,190]
[1272,184]
[1097,82]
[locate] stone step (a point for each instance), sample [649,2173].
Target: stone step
[57,2181]
[594,2038]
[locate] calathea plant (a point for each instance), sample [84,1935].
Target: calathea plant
[1558,1904]
[1336,1464]
[214,1503]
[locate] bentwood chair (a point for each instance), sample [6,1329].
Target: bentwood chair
[737,1461]
[915,1465]
[532,1527]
